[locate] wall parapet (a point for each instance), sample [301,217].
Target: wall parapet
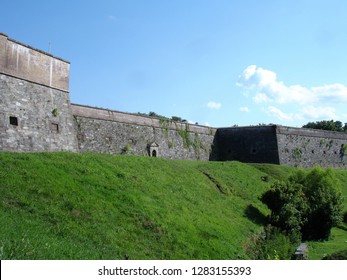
[318,133]
[25,62]
[129,118]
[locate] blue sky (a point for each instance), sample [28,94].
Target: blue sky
[215,62]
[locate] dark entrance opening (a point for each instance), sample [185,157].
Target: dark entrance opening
[13,120]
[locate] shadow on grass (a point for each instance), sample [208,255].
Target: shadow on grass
[343,226]
[254,215]
[340,255]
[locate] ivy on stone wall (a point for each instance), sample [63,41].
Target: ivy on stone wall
[196,143]
[297,153]
[343,150]
[55,112]
[126,148]
[184,133]
[164,125]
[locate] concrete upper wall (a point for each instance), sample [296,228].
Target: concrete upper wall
[24,62]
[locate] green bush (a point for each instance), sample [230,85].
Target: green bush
[270,244]
[309,202]
[288,206]
[325,203]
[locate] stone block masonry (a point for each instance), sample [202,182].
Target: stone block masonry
[283,145]
[106,131]
[309,147]
[36,115]
[35,110]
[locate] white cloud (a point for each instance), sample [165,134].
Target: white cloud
[278,114]
[268,89]
[305,113]
[315,113]
[214,105]
[244,109]
[261,98]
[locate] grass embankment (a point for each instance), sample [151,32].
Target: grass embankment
[91,206]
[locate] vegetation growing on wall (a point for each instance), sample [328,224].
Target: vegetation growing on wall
[78,122]
[165,126]
[344,149]
[163,118]
[198,145]
[55,112]
[329,144]
[185,135]
[171,143]
[297,154]
[126,149]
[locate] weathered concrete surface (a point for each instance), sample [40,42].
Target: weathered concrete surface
[255,144]
[35,110]
[24,62]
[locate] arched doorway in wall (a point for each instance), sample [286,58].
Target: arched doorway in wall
[154,153]
[154,150]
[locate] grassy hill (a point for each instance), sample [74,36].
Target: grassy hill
[92,206]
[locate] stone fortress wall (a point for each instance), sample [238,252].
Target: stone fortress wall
[309,147]
[36,115]
[282,145]
[107,131]
[35,111]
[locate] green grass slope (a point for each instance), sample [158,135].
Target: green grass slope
[92,206]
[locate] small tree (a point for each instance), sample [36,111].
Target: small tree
[309,203]
[324,203]
[288,206]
